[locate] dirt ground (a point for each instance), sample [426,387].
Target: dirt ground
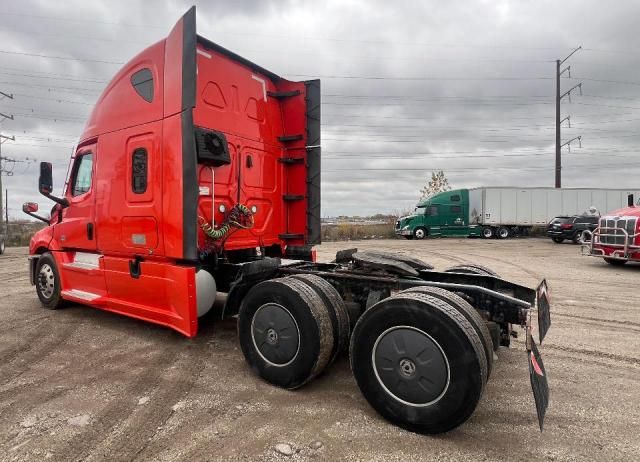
[82,384]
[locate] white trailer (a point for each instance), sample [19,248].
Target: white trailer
[526,207]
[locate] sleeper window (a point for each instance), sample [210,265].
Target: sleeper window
[139,171]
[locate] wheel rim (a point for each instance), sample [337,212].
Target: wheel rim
[487,232]
[275,334]
[420,233]
[1,246]
[46,281]
[410,366]
[504,233]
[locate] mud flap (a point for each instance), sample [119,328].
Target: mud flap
[544,313]
[537,373]
[539,384]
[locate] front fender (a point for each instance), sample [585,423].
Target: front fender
[43,241]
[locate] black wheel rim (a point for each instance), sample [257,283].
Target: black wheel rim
[275,334]
[411,366]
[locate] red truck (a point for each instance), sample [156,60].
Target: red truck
[617,237]
[198,173]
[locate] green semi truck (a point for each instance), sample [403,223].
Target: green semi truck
[502,212]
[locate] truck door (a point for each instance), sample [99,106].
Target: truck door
[76,231]
[457,224]
[433,220]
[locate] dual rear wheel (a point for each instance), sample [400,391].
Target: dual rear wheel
[419,361]
[421,358]
[291,329]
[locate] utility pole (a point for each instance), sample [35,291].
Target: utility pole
[559,97]
[2,140]
[6,212]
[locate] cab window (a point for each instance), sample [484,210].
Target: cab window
[456,209]
[455,198]
[82,178]
[432,211]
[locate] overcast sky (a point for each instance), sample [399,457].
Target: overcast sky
[407,86]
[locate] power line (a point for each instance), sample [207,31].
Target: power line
[371,77]
[66,58]
[33,76]
[621,82]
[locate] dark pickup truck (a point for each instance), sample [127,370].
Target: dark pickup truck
[571,227]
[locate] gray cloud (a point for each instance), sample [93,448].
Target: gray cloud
[469,86]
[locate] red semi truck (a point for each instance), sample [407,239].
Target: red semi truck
[617,237]
[198,173]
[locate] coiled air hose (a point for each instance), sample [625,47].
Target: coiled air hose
[240,217]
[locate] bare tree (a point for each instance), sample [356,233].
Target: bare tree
[437,184]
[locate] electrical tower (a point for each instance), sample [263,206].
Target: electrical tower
[559,144]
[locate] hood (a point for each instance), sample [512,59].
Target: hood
[624,212]
[406,219]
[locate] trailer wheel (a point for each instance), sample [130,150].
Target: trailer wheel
[418,362]
[420,233]
[336,308]
[615,261]
[48,282]
[472,268]
[504,232]
[285,332]
[468,311]
[488,232]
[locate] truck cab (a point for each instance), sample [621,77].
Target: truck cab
[193,157]
[443,214]
[617,237]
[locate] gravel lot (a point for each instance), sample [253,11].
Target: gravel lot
[82,384]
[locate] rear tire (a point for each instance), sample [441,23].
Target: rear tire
[47,281]
[285,332]
[468,311]
[418,362]
[615,261]
[504,232]
[472,268]
[488,232]
[1,246]
[557,240]
[420,233]
[335,307]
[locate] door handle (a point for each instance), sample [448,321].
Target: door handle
[90,231]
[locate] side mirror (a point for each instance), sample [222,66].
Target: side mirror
[45,184]
[30,208]
[630,202]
